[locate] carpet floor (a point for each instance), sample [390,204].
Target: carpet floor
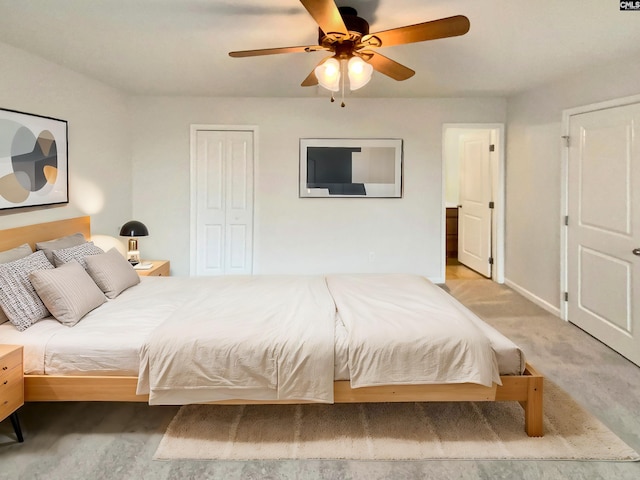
[384,431]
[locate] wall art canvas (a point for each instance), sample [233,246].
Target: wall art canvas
[350,167]
[33,160]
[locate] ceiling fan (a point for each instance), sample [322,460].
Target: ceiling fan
[346,35]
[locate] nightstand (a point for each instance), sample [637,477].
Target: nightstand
[11,385]
[160,268]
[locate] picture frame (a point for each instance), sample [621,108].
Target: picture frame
[34,168]
[350,168]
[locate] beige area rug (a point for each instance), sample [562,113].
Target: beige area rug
[385,431]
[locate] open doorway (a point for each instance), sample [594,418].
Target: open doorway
[473,191]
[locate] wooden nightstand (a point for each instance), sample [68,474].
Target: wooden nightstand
[11,385]
[160,269]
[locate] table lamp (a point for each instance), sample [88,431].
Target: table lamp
[133,229]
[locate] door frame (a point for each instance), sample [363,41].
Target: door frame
[564,188]
[193,129]
[498,180]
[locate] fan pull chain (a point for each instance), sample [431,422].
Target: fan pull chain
[342,64]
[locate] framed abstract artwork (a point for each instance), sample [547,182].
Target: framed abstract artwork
[350,167]
[33,160]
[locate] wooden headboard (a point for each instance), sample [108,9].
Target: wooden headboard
[40,232]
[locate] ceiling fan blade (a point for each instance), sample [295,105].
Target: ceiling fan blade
[311,79]
[443,28]
[326,15]
[273,51]
[389,67]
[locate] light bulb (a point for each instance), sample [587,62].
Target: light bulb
[328,74]
[359,73]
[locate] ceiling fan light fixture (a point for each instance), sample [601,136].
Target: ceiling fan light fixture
[328,74]
[359,73]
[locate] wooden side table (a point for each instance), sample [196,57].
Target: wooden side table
[11,385]
[160,268]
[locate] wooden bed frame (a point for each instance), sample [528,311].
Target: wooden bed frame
[527,389]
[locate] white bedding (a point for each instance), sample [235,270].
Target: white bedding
[106,341]
[109,340]
[252,338]
[400,332]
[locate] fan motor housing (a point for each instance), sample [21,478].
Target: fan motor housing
[357,27]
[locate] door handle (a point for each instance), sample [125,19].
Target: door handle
[636,251]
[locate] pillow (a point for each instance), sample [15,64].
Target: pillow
[77,253]
[18,298]
[68,292]
[59,243]
[111,272]
[17,253]
[7,256]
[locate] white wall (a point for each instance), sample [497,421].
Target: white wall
[294,235]
[99,154]
[534,150]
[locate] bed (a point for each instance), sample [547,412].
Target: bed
[60,367]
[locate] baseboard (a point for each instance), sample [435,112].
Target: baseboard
[534,298]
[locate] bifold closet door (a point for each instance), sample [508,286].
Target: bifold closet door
[224,202]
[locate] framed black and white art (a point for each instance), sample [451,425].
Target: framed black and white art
[350,167]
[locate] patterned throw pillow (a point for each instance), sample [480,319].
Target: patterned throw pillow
[76,253]
[18,298]
[12,255]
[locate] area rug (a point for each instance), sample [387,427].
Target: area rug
[390,431]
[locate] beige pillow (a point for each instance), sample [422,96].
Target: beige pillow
[111,272]
[7,256]
[17,253]
[68,292]
[59,243]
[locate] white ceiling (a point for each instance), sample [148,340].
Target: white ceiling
[180,47]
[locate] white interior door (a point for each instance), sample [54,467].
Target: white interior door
[603,273]
[223,202]
[474,215]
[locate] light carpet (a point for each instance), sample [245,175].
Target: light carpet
[385,431]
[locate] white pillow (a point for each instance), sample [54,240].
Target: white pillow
[18,298]
[67,291]
[12,255]
[77,253]
[59,243]
[111,272]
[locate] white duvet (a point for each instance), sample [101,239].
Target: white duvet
[261,338]
[253,338]
[402,329]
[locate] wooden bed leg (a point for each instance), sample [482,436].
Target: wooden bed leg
[533,416]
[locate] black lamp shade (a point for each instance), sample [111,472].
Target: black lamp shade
[134,229]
